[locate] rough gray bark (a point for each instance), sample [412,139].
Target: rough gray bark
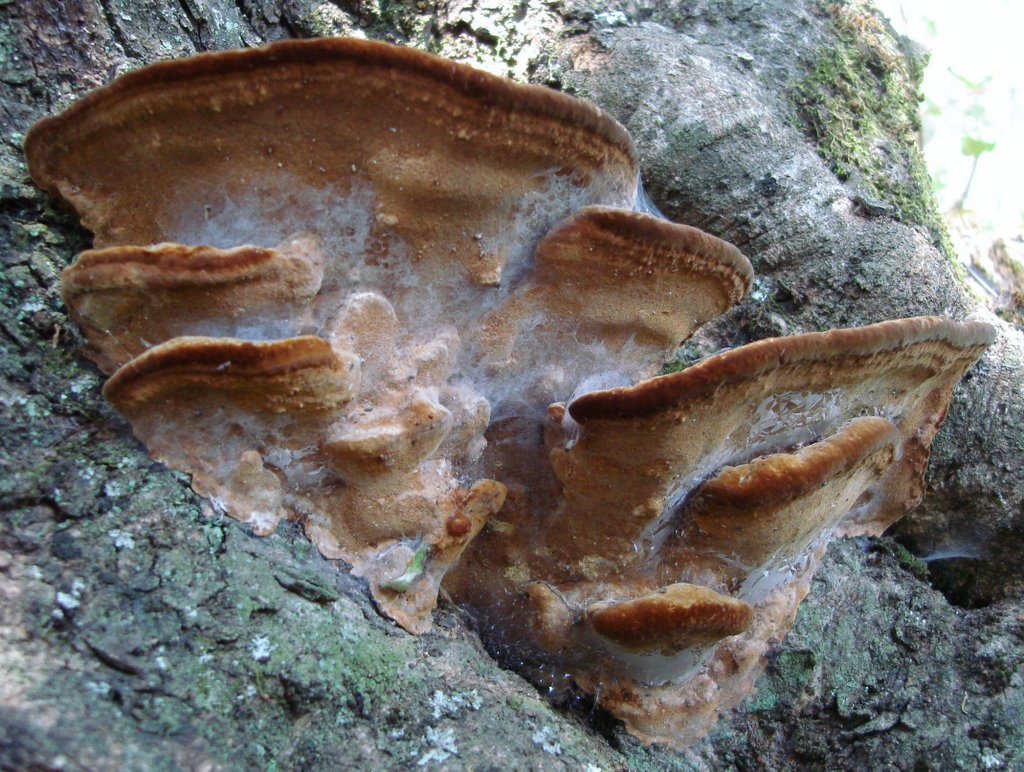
[141,631]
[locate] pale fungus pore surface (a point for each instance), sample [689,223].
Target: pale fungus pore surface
[419,309]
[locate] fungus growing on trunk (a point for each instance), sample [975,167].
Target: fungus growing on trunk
[402,302]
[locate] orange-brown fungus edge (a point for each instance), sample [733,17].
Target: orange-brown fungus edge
[657,616]
[488,90]
[703,378]
[782,477]
[192,356]
[162,265]
[624,231]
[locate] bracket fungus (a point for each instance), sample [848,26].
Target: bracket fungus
[404,302]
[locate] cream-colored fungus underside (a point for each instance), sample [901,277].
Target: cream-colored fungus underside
[403,303]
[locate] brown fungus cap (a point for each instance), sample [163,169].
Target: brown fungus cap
[642,444]
[428,137]
[832,358]
[619,279]
[630,274]
[127,299]
[291,375]
[777,504]
[781,478]
[674,618]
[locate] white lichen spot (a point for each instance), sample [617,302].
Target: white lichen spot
[441,746]
[990,761]
[261,648]
[545,738]
[122,540]
[32,408]
[99,688]
[161,662]
[70,600]
[611,19]
[82,384]
[450,705]
[759,291]
[127,463]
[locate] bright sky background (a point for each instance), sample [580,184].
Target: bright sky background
[979,43]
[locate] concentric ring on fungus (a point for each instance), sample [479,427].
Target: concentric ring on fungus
[404,303]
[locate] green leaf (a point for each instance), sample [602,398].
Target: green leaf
[973,147]
[413,570]
[972,86]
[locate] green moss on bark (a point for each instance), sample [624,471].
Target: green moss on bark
[859,102]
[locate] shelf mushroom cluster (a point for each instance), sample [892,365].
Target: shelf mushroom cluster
[404,302]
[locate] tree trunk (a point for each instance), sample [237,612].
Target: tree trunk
[139,630]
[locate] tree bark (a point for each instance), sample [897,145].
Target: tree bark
[140,630]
